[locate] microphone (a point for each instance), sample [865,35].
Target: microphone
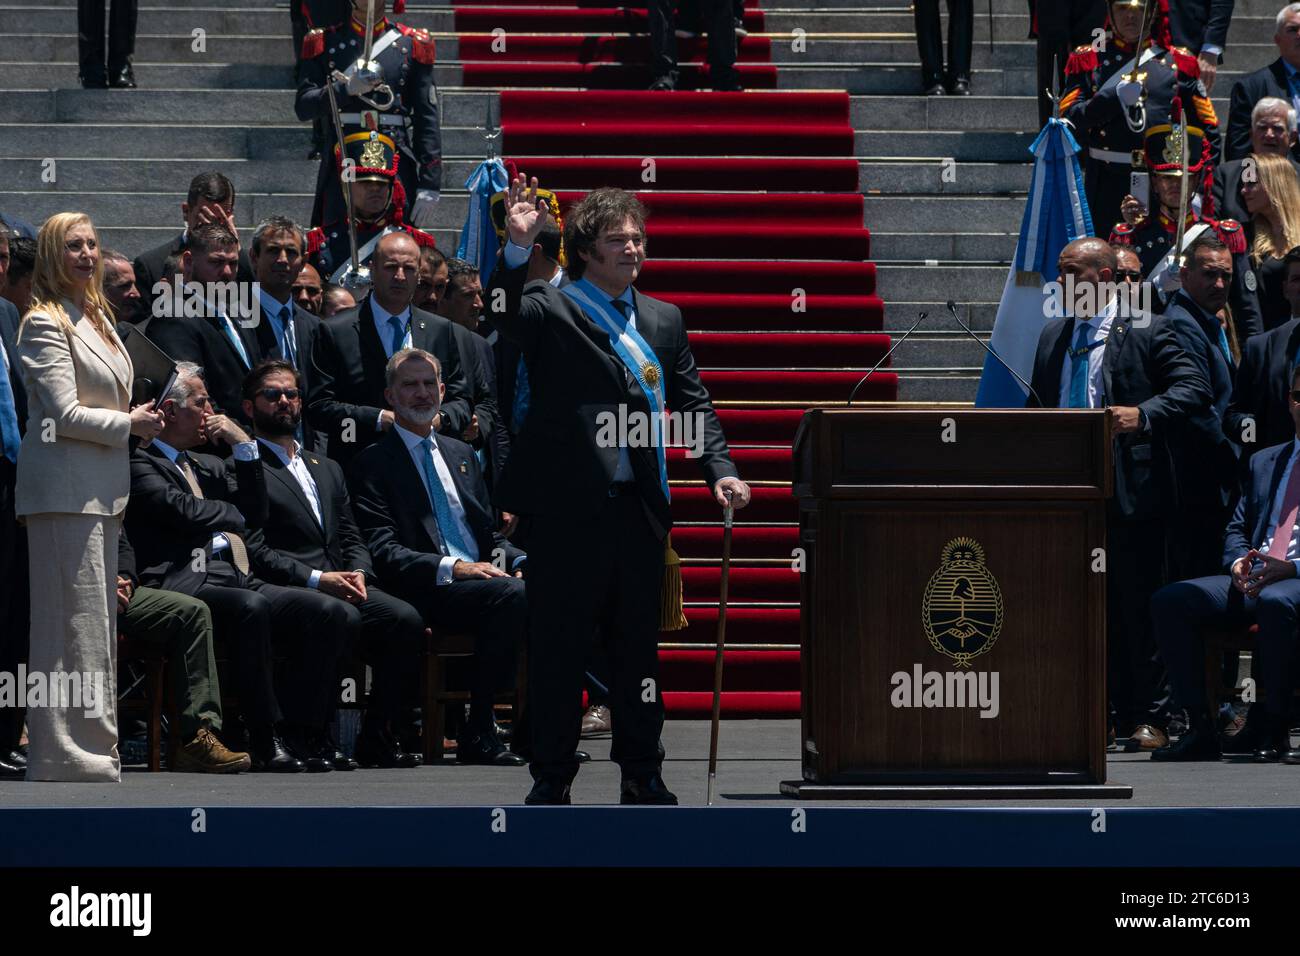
[952,307]
[884,358]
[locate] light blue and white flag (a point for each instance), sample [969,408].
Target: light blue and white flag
[1055,215]
[478,240]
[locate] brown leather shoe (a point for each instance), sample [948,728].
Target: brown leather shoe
[206,754]
[1146,737]
[596,721]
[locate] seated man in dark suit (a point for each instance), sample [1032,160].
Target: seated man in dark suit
[1278,79]
[1272,132]
[1261,554]
[425,514]
[193,520]
[225,346]
[346,400]
[310,539]
[1099,357]
[183,625]
[211,199]
[1258,414]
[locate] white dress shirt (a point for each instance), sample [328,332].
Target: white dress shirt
[244,451]
[412,442]
[1099,328]
[298,468]
[1275,513]
[385,330]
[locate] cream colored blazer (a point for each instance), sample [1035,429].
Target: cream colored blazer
[75,457]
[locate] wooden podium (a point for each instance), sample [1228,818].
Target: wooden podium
[953,603]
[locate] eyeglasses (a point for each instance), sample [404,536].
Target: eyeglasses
[1129,275]
[273,394]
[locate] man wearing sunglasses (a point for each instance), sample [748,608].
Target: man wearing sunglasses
[1259,584]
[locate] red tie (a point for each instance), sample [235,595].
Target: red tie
[1286,519]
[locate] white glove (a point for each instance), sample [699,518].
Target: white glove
[364,81]
[1169,281]
[422,211]
[1128,92]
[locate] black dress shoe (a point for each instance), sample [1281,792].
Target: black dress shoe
[548,793]
[486,749]
[961,86]
[581,756]
[306,747]
[935,89]
[93,81]
[649,790]
[1276,733]
[1199,743]
[336,758]
[381,750]
[270,755]
[123,79]
[15,757]
[661,83]
[11,771]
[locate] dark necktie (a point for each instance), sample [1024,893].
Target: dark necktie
[238,549]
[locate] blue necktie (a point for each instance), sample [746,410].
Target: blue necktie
[1223,344]
[286,336]
[523,394]
[399,334]
[452,541]
[233,334]
[1079,368]
[9,437]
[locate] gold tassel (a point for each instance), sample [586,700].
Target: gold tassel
[671,615]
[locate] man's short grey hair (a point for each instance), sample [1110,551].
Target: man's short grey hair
[402,356]
[1274,104]
[114,255]
[274,226]
[1285,12]
[183,389]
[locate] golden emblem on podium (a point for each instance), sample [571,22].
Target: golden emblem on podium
[962,608]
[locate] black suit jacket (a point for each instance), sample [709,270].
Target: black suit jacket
[1260,389]
[1143,366]
[149,264]
[1249,522]
[9,320]
[306,327]
[1246,92]
[167,523]
[291,543]
[558,464]
[347,377]
[480,370]
[1196,23]
[204,341]
[398,521]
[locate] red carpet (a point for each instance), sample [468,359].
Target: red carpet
[764,252]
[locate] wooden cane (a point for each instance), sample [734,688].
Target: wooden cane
[727,513]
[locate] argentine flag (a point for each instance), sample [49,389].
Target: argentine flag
[478,240]
[1055,215]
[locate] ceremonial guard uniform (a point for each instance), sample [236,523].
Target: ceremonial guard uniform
[404,60]
[374,157]
[1111,128]
[1152,237]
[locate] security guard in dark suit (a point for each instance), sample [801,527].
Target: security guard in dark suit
[401,65]
[1112,114]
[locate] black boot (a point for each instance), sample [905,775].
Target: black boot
[1276,738]
[271,755]
[1199,742]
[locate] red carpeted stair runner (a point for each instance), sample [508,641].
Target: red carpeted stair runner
[755,231]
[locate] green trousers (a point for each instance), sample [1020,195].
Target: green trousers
[183,625]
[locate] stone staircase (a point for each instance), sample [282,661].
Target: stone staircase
[215,91]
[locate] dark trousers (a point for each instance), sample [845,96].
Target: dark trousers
[90,36]
[1062,26]
[1194,541]
[258,621]
[717,17]
[1135,674]
[1182,610]
[929,40]
[588,574]
[14,601]
[388,634]
[495,611]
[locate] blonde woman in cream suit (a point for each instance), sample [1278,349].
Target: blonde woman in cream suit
[72,485]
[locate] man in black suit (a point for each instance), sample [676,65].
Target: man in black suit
[221,339]
[14,595]
[211,198]
[1205,461]
[1099,356]
[1258,414]
[285,330]
[310,539]
[1061,25]
[1278,79]
[193,520]
[1261,555]
[346,394]
[595,350]
[425,514]
[1272,132]
[1202,27]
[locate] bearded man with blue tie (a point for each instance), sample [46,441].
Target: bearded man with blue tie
[1101,356]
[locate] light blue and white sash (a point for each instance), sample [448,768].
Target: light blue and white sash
[635,353]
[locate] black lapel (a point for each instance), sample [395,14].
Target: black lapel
[373,356]
[459,468]
[1056,361]
[1120,333]
[169,468]
[324,491]
[273,466]
[412,493]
